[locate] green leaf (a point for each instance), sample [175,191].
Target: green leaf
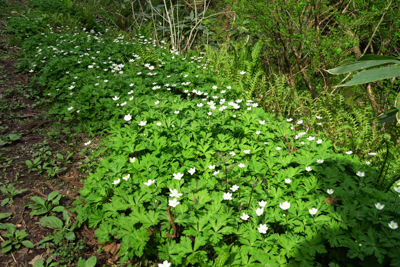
[38,263]
[70,236]
[6,248]
[27,243]
[91,262]
[389,115]
[51,222]
[9,227]
[53,195]
[361,65]
[5,215]
[374,75]
[38,200]
[4,202]
[14,137]
[223,256]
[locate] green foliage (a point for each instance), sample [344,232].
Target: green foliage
[15,238]
[193,174]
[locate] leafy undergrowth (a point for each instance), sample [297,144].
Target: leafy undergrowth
[193,174]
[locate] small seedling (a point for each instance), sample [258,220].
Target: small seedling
[43,206]
[15,238]
[10,192]
[8,139]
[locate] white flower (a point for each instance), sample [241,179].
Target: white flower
[157,102]
[349,152]
[262,204]
[116,181]
[192,171]
[278,148]
[288,181]
[178,176]
[176,111]
[115,98]
[216,173]
[241,165]
[372,153]
[320,161]
[284,205]
[308,169]
[128,117]
[211,167]
[319,141]
[318,117]
[262,229]
[234,188]
[158,123]
[368,162]
[150,182]
[262,122]
[379,206]
[289,120]
[313,211]
[258,132]
[242,73]
[393,225]
[209,113]
[200,105]
[360,174]
[88,143]
[330,191]
[311,138]
[132,160]
[397,189]
[142,123]
[228,87]
[70,108]
[173,203]
[174,193]
[126,177]
[246,151]
[259,211]
[244,217]
[214,87]
[300,122]
[227,196]
[131,84]
[164,264]
[232,153]
[105,81]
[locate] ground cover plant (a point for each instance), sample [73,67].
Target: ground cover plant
[193,172]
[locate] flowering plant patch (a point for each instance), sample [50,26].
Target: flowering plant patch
[196,175]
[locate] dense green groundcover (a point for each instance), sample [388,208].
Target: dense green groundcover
[195,175]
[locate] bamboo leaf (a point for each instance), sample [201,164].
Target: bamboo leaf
[374,75]
[361,65]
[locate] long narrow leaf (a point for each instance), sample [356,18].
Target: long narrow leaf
[374,75]
[376,57]
[360,65]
